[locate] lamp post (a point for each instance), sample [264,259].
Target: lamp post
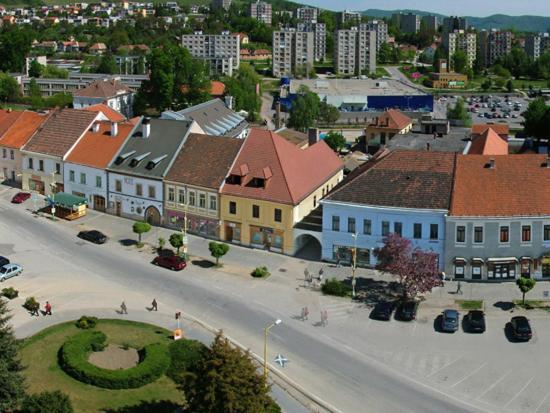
[266,333]
[184,230]
[52,185]
[354,264]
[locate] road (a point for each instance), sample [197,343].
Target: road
[395,73]
[344,376]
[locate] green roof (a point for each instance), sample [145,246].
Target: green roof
[66,200]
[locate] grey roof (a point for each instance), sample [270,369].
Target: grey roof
[151,157]
[213,117]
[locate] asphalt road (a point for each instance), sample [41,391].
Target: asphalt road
[344,377]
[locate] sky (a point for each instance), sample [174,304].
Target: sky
[448,7]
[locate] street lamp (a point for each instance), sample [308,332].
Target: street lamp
[354,264]
[53,186]
[266,332]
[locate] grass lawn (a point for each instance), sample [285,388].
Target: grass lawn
[381,71]
[271,85]
[531,304]
[39,355]
[536,84]
[470,304]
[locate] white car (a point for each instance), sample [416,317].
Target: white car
[10,270]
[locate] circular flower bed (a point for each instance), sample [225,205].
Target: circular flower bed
[153,362]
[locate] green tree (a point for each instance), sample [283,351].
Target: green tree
[525,285]
[176,241]
[328,113]
[227,380]
[460,61]
[34,89]
[510,86]
[51,71]
[35,69]
[59,100]
[11,379]
[141,227]
[218,250]
[335,140]
[242,86]
[107,64]
[9,89]
[51,402]
[15,45]
[304,112]
[486,85]
[459,112]
[536,118]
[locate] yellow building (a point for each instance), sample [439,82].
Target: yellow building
[272,186]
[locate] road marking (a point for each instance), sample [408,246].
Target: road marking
[492,386]
[542,402]
[469,375]
[443,367]
[518,393]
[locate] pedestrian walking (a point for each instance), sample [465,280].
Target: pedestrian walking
[325,315]
[459,288]
[337,260]
[321,272]
[306,313]
[178,315]
[123,309]
[154,305]
[48,308]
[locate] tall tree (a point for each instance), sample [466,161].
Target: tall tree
[459,112]
[335,140]
[15,45]
[304,112]
[107,64]
[35,69]
[460,61]
[9,89]
[328,113]
[11,379]
[242,86]
[525,285]
[536,118]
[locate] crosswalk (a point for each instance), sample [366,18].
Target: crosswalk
[337,309]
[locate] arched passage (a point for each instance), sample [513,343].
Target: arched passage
[152,216]
[307,247]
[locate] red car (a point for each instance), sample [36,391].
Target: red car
[172,262]
[20,197]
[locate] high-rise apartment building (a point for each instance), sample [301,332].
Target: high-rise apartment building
[319,31]
[461,40]
[381,29]
[307,14]
[537,44]
[349,16]
[493,44]
[221,4]
[261,11]
[221,51]
[409,23]
[355,51]
[452,23]
[292,51]
[431,23]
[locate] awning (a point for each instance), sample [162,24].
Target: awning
[525,258]
[481,260]
[459,259]
[503,259]
[68,201]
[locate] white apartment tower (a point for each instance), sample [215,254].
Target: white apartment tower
[221,51]
[461,40]
[355,51]
[261,11]
[307,14]
[319,31]
[292,50]
[381,29]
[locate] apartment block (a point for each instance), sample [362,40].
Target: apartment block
[493,44]
[354,51]
[349,16]
[537,44]
[409,23]
[461,40]
[431,23]
[221,4]
[292,50]
[452,23]
[381,29]
[261,11]
[307,14]
[220,51]
[319,31]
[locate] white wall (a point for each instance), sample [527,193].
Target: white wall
[90,188]
[130,202]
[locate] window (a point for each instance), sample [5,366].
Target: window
[82,178]
[41,165]
[546,233]
[417,231]
[504,234]
[526,233]
[152,193]
[192,198]
[367,226]
[12,154]
[335,223]
[232,207]
[213,203]
[181,196]
[385,228]
[57,168]
[202,200]
[139,190]
[277,215]
[398,228]
[461,233]
[351,225]
[255,211]
[171,194]
[434,231]
[4,153]
[478,235]
[98,181]
[118,185]
[31,164]
[71,176]
[314,201]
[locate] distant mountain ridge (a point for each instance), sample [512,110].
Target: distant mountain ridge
[496,21]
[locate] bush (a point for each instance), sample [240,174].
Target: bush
[31,304]
[10,293]
[98,346]
[51,402]
[85,322]
[73,359]
[260,272]
[335,287]
[185,357]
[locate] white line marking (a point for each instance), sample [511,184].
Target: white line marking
[542,402]
[492,386]
[518,393]
[469,375]
[444,366]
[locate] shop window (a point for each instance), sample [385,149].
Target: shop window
[335,223]
[417,231]
[504,234]
[385,228]
[461,233]
[278,215]
[478,235]
[255,211]
[545,267]
[526,233]
[459,269]
[434,231]
[351,225]
[367,226]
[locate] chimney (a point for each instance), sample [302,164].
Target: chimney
[95,127]
[146,128]
[492,163]
[229,102]
[114,129]
[312,136]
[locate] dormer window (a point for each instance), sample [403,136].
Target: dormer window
[123,157]
[234,180]
[134,162]
[154,162]
[257,183]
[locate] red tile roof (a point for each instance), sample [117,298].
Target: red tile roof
[291,173]
[103,89]
[7,118]
[516,186]
[392,119]
[488,143]
[22,129]
[499,128]
[97,149]
[109,113]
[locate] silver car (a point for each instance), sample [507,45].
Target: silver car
[10,270]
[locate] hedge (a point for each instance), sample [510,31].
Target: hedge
[73,359]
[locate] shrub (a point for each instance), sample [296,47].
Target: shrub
[335,287]
[98,346]
[185,357]
[260,272]
[73,359]
[31,304]
[85,322]
[10,293]
[51,402]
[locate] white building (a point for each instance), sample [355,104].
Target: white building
[222,51]
[461,40]
[381,29]
[292,51]
[319,31]
[261,11]
[307,14]
[111,92]
[355,51]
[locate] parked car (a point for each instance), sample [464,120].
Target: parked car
[172,262]
[10,270]
[20,197]
[406,310]
[521,329]
[94,236]
[4,261]
[476,321]
[382,311]
[449,321]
